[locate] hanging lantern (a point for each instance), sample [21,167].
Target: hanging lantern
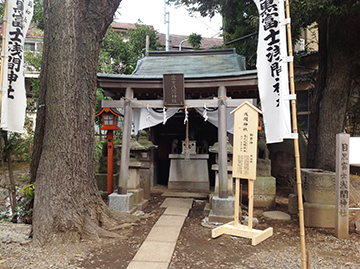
[110,118]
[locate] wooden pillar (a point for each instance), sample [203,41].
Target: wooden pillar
[342,190]
[125,148]
[110,160]
[222,134]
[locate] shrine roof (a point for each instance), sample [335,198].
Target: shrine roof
[193,64]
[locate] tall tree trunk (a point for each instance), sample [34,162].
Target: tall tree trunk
[67,204]
[339,44]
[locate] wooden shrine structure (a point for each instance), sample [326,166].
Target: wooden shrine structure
[214,78]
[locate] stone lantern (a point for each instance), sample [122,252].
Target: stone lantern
[141,169]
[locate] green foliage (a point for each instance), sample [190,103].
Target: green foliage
[204,7]
[119,54]
[241,19]
[100,96]
[38,16]
[23,208]
[98,152]
[28,191]
[195,41]
[20,145]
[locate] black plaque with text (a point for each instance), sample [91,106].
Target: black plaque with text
[174,92]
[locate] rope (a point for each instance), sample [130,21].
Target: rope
[207,104]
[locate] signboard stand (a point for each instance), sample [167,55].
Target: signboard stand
[244,166]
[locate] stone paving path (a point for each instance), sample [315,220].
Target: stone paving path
[158,247]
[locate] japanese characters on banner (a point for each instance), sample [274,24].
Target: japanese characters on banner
[13,102]
[272,66]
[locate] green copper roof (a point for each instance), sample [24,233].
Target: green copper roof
[211,63]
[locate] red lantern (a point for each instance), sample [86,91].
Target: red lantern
[110,120]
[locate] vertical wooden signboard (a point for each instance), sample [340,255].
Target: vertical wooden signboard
[245,141]
[244,166]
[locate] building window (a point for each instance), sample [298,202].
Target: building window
[30,46]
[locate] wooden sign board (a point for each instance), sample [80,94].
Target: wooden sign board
[173,89]
[245,141]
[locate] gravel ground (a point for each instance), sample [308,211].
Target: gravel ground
[195,249]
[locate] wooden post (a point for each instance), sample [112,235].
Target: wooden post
[110,160]
[342,191]
[125,148]
[296,142]
[222,134]
[251,203]
[237,202]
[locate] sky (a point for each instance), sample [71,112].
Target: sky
[151,12]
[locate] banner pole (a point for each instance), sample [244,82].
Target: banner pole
[296,142]
[3,53]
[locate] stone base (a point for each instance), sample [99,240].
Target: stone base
[122,202]
[219,218]
[142,205]
[319,215]
[189,185]
[139,202]
[189,174]
[222,209]
[318,186]
[261,200]
[138,195]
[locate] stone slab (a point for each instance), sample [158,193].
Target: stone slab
[319,215]
[167,220]
[122,202]
[189,185]
[176,211]
[177,202]
[147,265]
[164,233]
[277,215]
[155,252]
[178,194]
[142,205]
[189,174]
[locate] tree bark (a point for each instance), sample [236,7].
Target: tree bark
[67,205]
[339,43]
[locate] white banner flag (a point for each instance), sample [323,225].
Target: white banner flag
[13,103]
[272,67]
